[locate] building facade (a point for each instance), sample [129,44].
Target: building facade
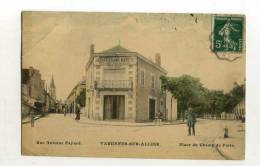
[50,103]
[32,84]
[35,96]
[123,85]
[32,91]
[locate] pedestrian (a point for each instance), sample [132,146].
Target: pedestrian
[64,110]
[77,112]
[191,121]
[158,117]
[32,117]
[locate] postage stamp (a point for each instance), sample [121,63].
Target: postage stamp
[227,34]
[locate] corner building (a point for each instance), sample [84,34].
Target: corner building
[123,85]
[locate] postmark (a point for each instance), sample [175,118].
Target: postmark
[227,37]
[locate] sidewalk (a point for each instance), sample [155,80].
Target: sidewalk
[233,148]
[85,120]
[28,119]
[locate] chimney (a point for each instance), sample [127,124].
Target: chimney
[92,49]
[158,59]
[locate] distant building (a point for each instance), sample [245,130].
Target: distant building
[75,92]
[123,85]
[52,89]
[50,103]
[239,110]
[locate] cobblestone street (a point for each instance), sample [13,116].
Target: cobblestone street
[63,136]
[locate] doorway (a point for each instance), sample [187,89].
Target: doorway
[114,107]
[151,109]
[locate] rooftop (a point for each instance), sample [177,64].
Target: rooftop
[116,49]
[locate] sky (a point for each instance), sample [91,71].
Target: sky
[58,43]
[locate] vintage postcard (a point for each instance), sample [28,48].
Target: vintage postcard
[133,85]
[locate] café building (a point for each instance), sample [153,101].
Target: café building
[123,85]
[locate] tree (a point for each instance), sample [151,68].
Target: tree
[236,94]
[215,102]
[189,91]
[186,89]
[81,98]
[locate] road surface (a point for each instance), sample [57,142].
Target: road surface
[63,136]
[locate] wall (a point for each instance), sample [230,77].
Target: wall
[171,107]
[32,88]
[37,86]
[136,101]
[145,92]
[89,91]
[94,99]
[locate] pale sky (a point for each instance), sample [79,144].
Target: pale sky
[58,44]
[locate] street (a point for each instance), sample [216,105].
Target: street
[63,136]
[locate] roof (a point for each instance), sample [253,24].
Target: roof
[116,49]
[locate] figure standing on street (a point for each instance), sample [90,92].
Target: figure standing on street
[77,112]
[32,117]
[191,120]
[64,110]
[158,117]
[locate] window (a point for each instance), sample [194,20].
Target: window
[114,74]
[153,81]
[142,78]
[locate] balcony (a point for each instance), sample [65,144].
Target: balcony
[114,85]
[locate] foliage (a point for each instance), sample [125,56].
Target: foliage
[235,96]
[189,91]
[214,102]
[81,98]
[185,88]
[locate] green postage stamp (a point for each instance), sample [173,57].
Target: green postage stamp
[227,36]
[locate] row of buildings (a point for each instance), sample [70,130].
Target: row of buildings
[71,102]
[36,96]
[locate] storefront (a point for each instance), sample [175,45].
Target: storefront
[123,85]
[114,107]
